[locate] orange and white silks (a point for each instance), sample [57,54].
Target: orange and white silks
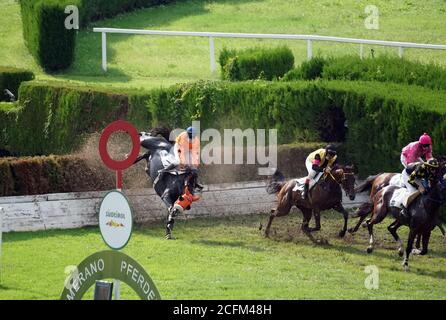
[188,150]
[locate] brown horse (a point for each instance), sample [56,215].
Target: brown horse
[423,216]
[376,183]
[325,195]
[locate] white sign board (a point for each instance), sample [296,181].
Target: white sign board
[115,220]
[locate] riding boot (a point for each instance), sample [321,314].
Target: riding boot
[306,189]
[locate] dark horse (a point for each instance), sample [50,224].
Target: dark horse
[173,182]
[423,212]
[378,182]
[325,195]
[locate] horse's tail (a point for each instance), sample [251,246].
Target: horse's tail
[276,182]
[367,184]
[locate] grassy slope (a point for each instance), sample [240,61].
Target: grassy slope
[228,258]
[152,61]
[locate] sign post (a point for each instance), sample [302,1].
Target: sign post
[114,199]
[116,225]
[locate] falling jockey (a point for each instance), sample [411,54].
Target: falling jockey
[187,155]
[317,162]
[420,177]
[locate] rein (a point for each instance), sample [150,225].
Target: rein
[343,178]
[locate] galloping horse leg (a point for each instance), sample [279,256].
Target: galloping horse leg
[418,241]
[317,220]
[371,239]
[270,221]
[393,227]
[425,238]
[307,213]
[283,208]
[409,248]
[171,213]
[362,212]
[339,208]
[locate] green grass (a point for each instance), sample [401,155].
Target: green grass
[143,61]
[227,258]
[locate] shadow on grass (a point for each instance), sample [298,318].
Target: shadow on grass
[26,236]
[230,244]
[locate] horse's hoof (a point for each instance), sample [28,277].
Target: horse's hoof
[369,250]
[169,236]
[406,267]
[351,231]
[416,251]
[341,234]
[400,252]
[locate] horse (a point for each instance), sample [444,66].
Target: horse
[172,185]
[325,195]
[423,215]
[376,183]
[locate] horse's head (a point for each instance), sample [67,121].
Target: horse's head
[345,176]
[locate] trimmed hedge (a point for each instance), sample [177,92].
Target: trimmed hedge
[53,118]
[46,37]
[382,69]
[11,78]
[256,63]
[52,174]
[8,115]
[381,118]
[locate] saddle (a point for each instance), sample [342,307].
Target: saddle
[300,183]
[397,181]
[402,198]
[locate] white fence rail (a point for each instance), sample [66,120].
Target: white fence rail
[308,38]
[79,209]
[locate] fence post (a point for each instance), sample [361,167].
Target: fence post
[212,53]
[309,49]
[361,51]
[401,52]
[104,51]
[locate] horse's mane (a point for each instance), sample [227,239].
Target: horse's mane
[162,131]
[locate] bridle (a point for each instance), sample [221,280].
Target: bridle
[343,177]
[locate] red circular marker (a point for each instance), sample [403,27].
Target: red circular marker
[116,126]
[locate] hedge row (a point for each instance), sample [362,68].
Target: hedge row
[51,44]
[382,68]
[380,118]
[256,63]
[11,78]
[8,114]
[52,174]
[53,118]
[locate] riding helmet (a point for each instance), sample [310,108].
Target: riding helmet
[331,149]
[191,131]
[425,139]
